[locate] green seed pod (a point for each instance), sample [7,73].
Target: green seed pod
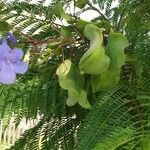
[83,100]
[80,24]
[80,97]
[72,98]
[115,50]
[106,80]
[71,80]
[94,61]
[69,76]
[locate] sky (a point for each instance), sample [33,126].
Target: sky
[88,15]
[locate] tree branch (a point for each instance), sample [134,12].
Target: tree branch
[94,8]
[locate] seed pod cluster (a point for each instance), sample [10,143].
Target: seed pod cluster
[102,63]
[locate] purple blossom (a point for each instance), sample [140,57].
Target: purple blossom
[10,63]
[12,38]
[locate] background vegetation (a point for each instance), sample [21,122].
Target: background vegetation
[119,118]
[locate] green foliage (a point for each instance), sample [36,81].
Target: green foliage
[58,9]
[122,122]
[118,118]
[81,3]
[4,26]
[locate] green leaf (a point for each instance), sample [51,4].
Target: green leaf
[66,32]
[117,138]
[59,12]
[4,26]
[58,9]
[54,43]
[81,3]
[68,18]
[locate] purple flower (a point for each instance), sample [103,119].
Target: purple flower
[10,63]
[12,38]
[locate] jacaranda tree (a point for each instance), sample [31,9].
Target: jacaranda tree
[88,80]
